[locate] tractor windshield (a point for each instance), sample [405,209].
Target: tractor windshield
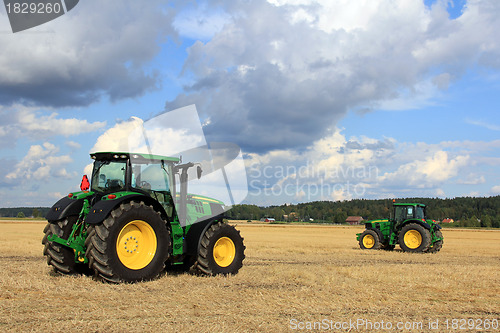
[108,176]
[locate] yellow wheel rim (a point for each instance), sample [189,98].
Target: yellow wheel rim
[136,245]
[224,251]
[368,241]
[413,239]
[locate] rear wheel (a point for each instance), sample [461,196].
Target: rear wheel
[132,244]
[414,238]
[369,240]
[60,257]
[221,250]
[437,245]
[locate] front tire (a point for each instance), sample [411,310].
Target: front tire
[60,257]
[414,238]
[132,244]
[369,240]
[221,251]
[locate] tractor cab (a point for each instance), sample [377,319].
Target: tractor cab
[405,211]
[147,174]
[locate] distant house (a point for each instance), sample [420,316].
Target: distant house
[354,220]
[447,221]
[267,219]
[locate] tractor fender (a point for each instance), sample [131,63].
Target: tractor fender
[196,232]
[63,208]
[379,233]
[423,224]
[100,211]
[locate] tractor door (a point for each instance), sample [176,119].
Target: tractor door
[154,180]
[403,213]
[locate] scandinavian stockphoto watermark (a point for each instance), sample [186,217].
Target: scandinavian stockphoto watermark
[215,170]
[311,181]
[364,324]
[26,14]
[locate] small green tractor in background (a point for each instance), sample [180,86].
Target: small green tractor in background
[133,223]
[407,227]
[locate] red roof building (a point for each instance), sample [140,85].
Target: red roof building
[352,220]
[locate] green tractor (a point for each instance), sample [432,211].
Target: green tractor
[407,227]
[127,225]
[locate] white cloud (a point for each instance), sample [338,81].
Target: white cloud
[40,162]
[340,168]
[431,172]
[350,16]
[484,124]
[495,190]
[472,179]
[88,169]
[55,195]
[73,145]
[20,121]
[117,137]
[340,195]
[167,134]
[52,124]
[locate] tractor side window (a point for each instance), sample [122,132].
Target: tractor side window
[108,176]
[420,213]
[150,177]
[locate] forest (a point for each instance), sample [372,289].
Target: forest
[465,211]
[22,212]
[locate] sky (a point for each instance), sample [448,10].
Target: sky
[328,100]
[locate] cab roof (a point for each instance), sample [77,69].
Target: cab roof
[137,157]
[408,204]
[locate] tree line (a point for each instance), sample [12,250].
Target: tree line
[34,212]
[465,211]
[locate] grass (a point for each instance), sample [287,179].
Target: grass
[293,276]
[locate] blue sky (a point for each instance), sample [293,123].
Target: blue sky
[328,100]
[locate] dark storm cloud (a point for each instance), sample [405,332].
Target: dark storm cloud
[100,49]
[274,78]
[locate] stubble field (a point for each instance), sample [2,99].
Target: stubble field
[294,278]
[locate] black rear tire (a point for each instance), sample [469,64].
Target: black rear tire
[437,245]
[221,251]
[132,244]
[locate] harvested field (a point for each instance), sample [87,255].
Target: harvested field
[294,278]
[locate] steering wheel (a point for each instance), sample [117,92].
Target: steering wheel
[145,185]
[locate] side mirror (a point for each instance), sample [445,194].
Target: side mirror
[199,171]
